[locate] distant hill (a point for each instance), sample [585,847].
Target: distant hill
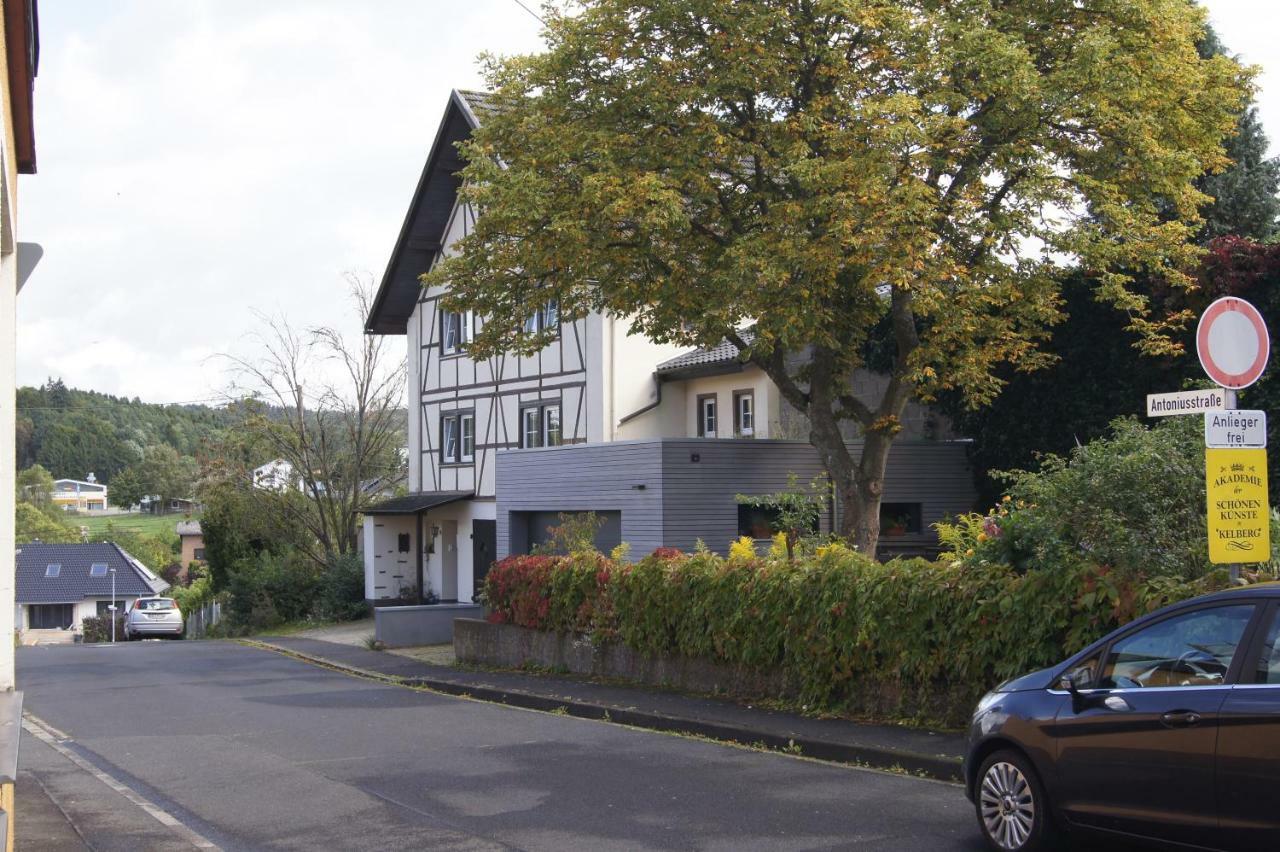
[74,432]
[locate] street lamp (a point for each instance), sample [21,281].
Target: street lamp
[113,605]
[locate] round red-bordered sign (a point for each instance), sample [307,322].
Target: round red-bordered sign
[1233,343]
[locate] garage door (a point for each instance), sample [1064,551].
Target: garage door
[608,536]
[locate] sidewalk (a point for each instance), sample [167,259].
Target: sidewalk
[63,806]
[936,755]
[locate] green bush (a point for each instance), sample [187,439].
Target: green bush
[908,638]
[269,589]
[97,628]
[341,589]
[1132,502]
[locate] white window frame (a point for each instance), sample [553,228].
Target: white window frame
[454,339]
[546,426]
[449,439]
[531,429]
[744,412]
[708,405]
[467,437]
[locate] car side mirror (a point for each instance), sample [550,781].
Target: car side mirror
[1069,682]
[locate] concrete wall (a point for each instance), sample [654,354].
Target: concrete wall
[411,626]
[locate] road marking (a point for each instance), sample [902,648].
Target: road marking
[54,738]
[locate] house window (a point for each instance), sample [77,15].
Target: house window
[104,607]
[98,569]
[707,416]
[744,413]
[901,519]
[761,522]
[52,570]
[198,553]
[456,331]
[458,438]
[540,426]
[467,426]
[546,318]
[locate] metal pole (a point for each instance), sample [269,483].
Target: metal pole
[113,606]
[1229,402]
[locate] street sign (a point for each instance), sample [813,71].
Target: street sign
[1239,517]
[1232,342]
[1235,429]
[1185,402]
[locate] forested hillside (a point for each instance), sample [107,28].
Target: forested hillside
[73,432]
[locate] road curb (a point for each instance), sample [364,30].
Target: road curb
[938,767]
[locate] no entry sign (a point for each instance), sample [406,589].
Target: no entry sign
[1232,342]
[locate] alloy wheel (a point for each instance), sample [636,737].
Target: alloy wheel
[1007,806]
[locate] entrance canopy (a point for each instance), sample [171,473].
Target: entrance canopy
[412,504]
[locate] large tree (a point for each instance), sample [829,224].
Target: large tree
[844,177]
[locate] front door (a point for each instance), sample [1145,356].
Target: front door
[1249,749]
[1138,753]
[484,549]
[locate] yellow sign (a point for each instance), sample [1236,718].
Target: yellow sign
[1239,517]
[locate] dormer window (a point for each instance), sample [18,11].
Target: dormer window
[98,569]
[52,570]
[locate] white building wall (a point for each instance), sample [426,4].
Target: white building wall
[631,359]
[723,388]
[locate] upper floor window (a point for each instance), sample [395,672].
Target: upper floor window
[53,570]
[455,331]
[458,438]
[540,426]
[707,416]
[98,569]
[546,318]
[744,413]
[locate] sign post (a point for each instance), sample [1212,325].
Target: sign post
[1234,346]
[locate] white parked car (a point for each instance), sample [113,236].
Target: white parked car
[153,617]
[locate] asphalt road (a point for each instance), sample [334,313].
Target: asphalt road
[255,750]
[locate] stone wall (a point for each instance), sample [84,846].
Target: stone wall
[505,646]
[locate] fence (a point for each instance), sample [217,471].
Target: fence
[199,621]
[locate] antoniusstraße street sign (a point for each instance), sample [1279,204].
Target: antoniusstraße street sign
[1239,517]
[1185,402]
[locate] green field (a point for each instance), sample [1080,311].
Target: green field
[157,525]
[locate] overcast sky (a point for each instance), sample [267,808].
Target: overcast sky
[202,159]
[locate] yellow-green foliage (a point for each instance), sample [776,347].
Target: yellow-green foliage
[742,550]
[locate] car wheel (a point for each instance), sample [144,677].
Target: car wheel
[1013,811]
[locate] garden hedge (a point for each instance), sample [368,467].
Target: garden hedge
[905,639]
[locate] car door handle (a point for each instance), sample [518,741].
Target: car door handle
[1180,719]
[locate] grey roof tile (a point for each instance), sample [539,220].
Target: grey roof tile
[723,352]
[481,104]
[73,582]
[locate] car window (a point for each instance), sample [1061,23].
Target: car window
[1269,662]
[1085,672]
[155,604]
[1195,649]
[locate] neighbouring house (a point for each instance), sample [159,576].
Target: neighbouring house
[653,438]
[80,495]
[60,585]
[192,538]
[275,475]
[156,504]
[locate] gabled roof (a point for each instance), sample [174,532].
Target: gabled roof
[721,358]
[189,528]
[74,582]
[424,225]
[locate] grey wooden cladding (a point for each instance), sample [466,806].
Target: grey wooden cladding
[668,499]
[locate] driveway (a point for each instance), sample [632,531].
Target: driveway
[255,750]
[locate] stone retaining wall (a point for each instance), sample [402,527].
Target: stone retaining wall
[506,646]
